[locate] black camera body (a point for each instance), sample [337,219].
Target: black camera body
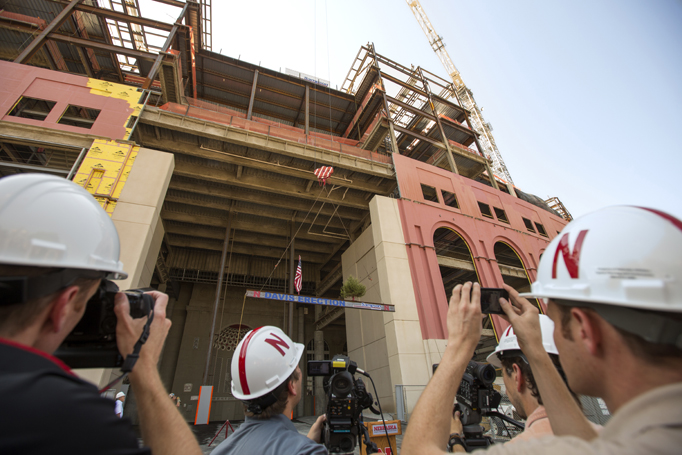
[92,343]
[347,397]
[476,395]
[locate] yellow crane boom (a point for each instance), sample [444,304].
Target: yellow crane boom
[463,93]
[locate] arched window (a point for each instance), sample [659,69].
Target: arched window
[513,270]
[454,259]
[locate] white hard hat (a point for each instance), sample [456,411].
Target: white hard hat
[263,360]
[623,256]
[508,342]
[48,221]
[120,394]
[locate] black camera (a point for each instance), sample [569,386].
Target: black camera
[476,396]
[347,397]
[92,343]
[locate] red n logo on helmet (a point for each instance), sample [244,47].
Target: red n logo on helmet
[277,343]
[571,260]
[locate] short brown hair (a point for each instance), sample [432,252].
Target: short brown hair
[282,394]
[16,318]
[645,350]
[508,364]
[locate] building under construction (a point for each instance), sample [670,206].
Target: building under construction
[207,166]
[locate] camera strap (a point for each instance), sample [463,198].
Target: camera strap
[131,358]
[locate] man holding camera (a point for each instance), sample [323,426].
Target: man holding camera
[56,245]
[612,281]
[267,379]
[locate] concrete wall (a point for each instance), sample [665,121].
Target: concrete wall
[388,345]
[140,231]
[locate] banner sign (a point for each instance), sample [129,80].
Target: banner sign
[320,301]
[391,428]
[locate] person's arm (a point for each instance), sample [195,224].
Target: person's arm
[163,428]
[429,426]
[564,413]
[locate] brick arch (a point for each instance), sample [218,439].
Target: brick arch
[522,258]
[459,230]
[515,247]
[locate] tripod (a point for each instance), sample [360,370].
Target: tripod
[227,425]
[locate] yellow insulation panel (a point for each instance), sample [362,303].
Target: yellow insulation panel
[105,169]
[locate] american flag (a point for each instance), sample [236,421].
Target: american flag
[298,279]
[323,173]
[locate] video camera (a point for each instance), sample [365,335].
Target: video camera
[347,397]
[92,343]
[476,398]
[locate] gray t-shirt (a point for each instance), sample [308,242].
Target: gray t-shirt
[275,436]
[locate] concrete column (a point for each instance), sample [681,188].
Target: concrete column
[320,397]
[300,409]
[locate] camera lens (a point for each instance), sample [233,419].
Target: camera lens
[346,444]
[342,383]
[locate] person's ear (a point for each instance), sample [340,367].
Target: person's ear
[517,376]
[587,331]
[292,388]
[60,309]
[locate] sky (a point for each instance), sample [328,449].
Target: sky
[585,97]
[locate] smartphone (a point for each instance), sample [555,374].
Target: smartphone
[490,300]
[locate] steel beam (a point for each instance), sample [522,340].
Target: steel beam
[253,95]
[38,42]
[250,226]
[105,47]
[169,40]
[122,17]
[214,130]
[252,209]
[291,189]
[253,163]
[307,110]
[264,199]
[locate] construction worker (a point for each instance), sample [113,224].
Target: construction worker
[118,408]
[267,379]
[56,245]
[612,281]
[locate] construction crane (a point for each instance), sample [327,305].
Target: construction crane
[463,93]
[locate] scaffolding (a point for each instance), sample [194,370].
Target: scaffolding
[413,112]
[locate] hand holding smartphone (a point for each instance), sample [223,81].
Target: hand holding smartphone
[490,300]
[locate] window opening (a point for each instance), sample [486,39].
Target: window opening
[541,229]
[512,269]
[485,210]
[528,224]
[501,215]
[81,117]
[33,108]
[449,199]
[429,193]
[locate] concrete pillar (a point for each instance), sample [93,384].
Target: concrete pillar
[320,397]
[300,409]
